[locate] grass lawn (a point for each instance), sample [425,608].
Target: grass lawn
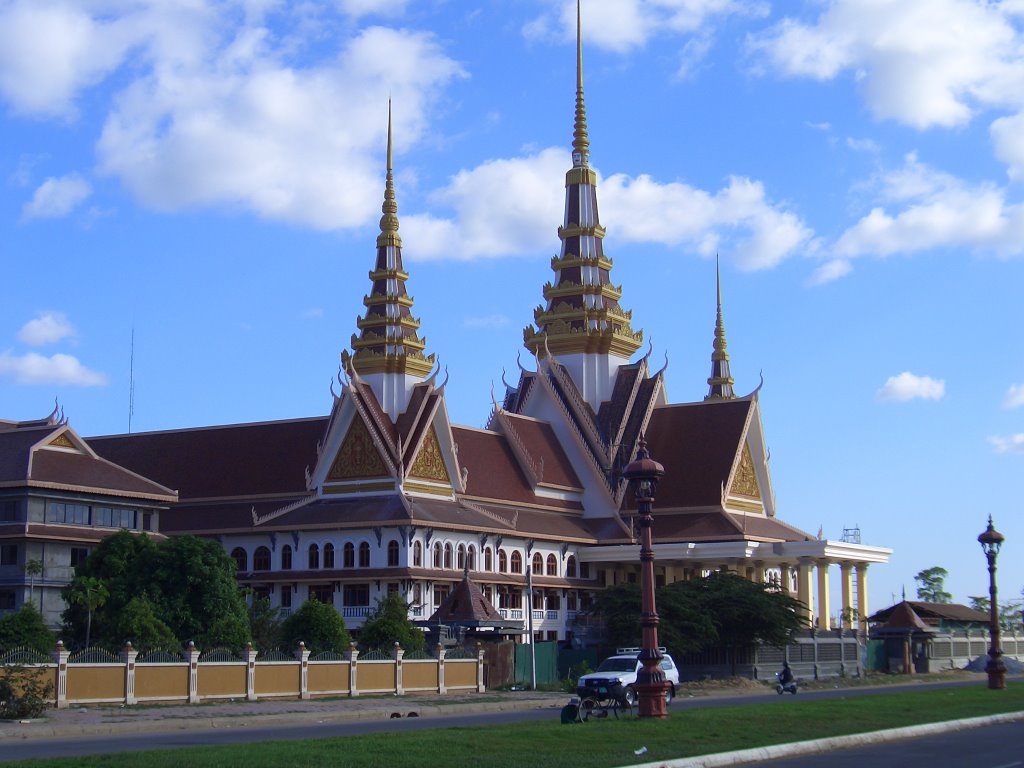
[601,744]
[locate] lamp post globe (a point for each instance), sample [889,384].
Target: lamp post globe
[651,684]
[991,541]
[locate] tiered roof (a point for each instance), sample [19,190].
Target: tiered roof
[388,339]
[582,314]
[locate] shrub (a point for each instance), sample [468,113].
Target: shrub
[24,692]
[25,628]
[319,626]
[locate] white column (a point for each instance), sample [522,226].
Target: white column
[846,584]
[862,596]
[824,606]
[805,589]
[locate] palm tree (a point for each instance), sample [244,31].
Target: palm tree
[90,593]
[33,568]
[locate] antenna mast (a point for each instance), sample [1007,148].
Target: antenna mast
[131,381]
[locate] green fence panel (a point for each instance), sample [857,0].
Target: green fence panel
[547,663]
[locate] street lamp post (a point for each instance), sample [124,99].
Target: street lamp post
[651,685]
[991,540]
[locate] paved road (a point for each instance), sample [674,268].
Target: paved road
[996,746]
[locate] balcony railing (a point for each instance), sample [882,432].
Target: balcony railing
[551,615]
[538,615]
[355,612]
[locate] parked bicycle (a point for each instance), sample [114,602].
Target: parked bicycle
[603,702]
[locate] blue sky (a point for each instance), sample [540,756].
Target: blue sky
[210,175]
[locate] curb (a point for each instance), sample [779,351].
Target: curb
[821,746]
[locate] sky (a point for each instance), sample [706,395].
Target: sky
[190,194]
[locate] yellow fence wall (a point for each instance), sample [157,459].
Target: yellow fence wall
[161,682]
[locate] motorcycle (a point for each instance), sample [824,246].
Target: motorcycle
[785,687]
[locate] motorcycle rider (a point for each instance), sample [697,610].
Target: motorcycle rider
[787,682]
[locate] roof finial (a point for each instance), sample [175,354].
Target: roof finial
[580,142]
[720,382]
[389,221]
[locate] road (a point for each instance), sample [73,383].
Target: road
[78,745]
[995,746]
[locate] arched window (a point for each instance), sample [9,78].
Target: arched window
[437,554]
[241,559]
[570,567]
[517,563]
[471,557]
[417,593]
[328,555]
[314,556]
[364,555]
[488,559]
[448,556]
[348,555]
[552,566]
[261,559]
[286,557]
[392,553]
[460,557]
[537,564]
[417,555]
[502,561]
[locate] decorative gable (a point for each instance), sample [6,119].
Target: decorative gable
[62,441]
[745,482]
[429,463]
[358,456]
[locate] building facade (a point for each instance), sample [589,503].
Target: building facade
[384,494]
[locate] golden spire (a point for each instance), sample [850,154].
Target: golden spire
[388,340]
[580,141]
[389,220]
[582,312]
[720,382]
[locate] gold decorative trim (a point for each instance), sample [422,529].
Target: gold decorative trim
[745,482]
[360,488]
[745,506]
[433,490]
[62,441]
[357,457]
[429,463]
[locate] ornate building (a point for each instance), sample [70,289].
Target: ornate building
[384,494]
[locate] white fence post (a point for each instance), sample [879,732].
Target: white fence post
[353,655]
[303,656]
[60,657]
[192,654]
[128,656]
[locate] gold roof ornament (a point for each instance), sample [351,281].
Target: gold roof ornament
[388,340]
[720,382]
[582,314]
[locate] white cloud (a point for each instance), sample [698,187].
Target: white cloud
[1008,139]
[48,328]
[524,223]
[359,8]
[623,25]
[863,145]
[906,386]
[247,129]
[934,210]
[737,219]
[57,197]
[49,51]
[33,368]
[1008,443]
[486,321]
[829,271]
[313,313]
[920,62]
[1014,397]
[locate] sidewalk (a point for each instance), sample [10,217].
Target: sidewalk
[147,718]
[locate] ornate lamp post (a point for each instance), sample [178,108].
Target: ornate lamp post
[650,681]
[991,540]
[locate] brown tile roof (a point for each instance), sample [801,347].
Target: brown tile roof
[902,617]
[78,470]
[539,440]
[234,460]
[15,448]
[932,613]
[697,443]
[466,606]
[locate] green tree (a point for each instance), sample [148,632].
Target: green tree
[721,610]
[930,584]
[138,623]
[264,623]
[88,593]
[25,627]
[318,625]
[188,582]
[390,624]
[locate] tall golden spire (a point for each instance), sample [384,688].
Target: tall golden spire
[582,314]
[720,382]
[388,341]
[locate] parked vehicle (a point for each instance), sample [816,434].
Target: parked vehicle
[622,669]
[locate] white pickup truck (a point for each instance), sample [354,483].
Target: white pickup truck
[623,668]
